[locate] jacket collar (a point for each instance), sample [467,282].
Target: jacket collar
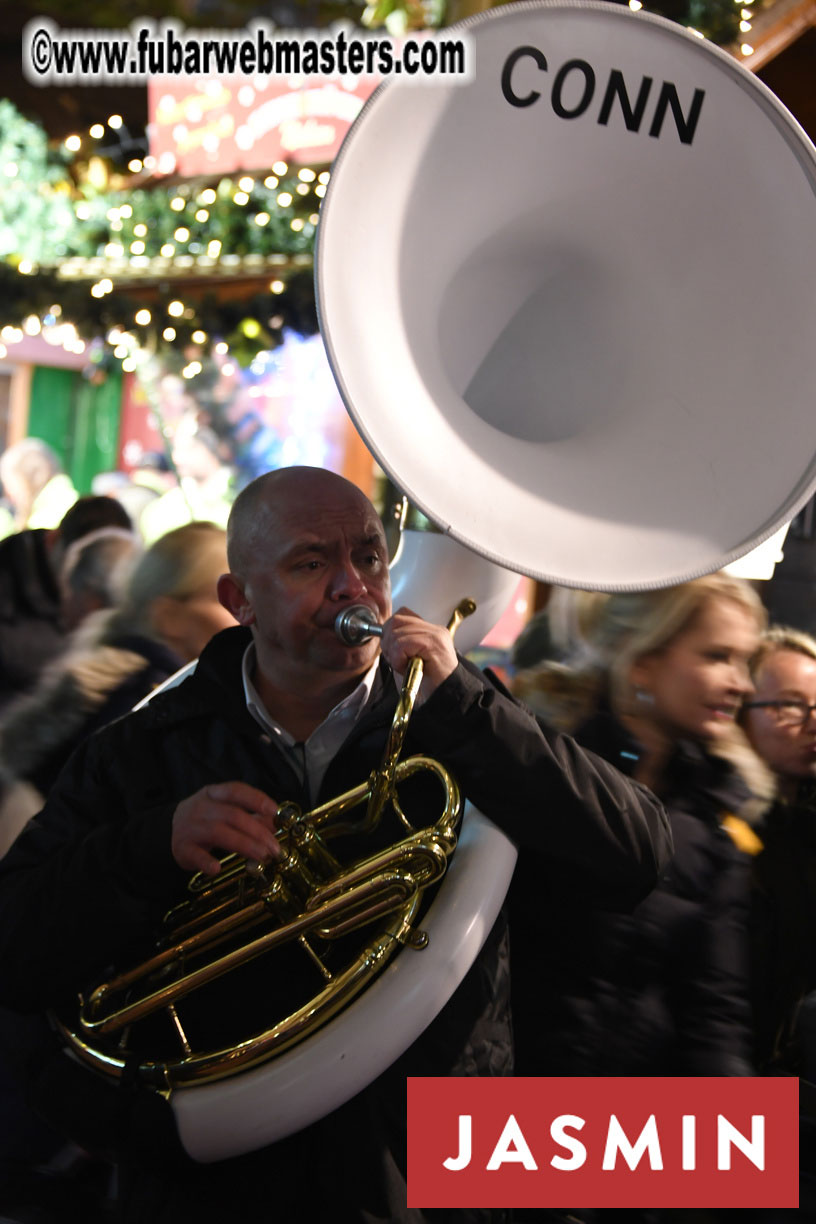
[216,686]
[693,778]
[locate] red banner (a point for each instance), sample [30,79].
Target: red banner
[221,125]
[578,1143]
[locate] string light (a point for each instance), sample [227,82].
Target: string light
[133,249]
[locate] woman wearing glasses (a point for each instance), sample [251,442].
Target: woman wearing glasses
[662,990]
[780,721]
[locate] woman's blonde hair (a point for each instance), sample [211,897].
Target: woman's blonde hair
[177,566]
[628,627]
[782,637]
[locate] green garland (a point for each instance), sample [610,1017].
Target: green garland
[104,255]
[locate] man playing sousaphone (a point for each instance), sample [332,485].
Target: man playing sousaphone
[280,708]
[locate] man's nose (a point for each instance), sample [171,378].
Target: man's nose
[347,582]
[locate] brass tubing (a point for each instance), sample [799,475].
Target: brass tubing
[365,884]
[390,882]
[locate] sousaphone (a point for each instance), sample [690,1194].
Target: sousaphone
[570,302]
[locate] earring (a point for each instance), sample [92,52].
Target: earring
[644,696]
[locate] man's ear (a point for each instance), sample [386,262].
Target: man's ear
[231,595]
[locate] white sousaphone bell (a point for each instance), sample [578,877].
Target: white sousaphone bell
[570,304]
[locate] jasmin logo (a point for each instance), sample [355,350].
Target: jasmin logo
[603,1142]
[512,1146]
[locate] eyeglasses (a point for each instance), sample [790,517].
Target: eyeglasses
[788,713]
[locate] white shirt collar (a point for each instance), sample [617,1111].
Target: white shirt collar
[310,759]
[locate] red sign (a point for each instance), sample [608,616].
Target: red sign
[569,1143]
[200,126]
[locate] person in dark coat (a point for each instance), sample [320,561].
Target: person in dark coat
[32,629]
[167,612]
[281,708]
[662,990]
[780,724]
[139,619]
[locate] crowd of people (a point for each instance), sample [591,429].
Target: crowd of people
[652,756]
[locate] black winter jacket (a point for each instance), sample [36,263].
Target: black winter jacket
[93,874]
[31,628]
[85,689]
[662,990]
[783,921]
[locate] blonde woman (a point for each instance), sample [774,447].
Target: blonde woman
[663,990]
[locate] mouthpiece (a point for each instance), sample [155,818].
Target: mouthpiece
[356,625]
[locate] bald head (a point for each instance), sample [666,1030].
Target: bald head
[303,544]
[277,500]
